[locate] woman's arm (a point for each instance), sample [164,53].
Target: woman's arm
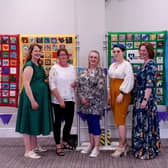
[27,76]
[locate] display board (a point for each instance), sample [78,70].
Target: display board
[49,44]
[9,70]
[132,40]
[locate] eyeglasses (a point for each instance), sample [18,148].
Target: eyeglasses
[63,55]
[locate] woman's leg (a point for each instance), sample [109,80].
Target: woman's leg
[122,135]
[33,141]
[57,123]
[68,115]
[27,142]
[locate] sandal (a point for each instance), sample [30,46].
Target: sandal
[67,146]
[60,152]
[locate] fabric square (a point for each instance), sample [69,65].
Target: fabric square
[53,61]
[39,40]
[25,47]
[161,36]
[25,40]
[13,55]
[13,62]
[68,39]
[159,52]
[0,85]
[0,69]
[5,70]
[137,37]
[12,70]
[145,37]
[160,44]
[0,48]
[12,78]
[121,37]
[5,100]
[53,40]
[12,39]
[12,93]
[62,46]
[12,85]
[5,85]
[5,93]
[61,39]
[5,78]
[5,47]
[129,45]
[152,37]
[114,37]
[12,101]
[46,40]
[31,40]
[129,37]
[5,54]
[13,47]
[5,39]
[69,47]
[47,55]
[47,62]
[54,55]
[47,47]
[0,63]
[54,47]
[5,62]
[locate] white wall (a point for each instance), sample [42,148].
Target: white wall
[83,17]
[136,15]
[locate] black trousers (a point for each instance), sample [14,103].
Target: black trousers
[65,114]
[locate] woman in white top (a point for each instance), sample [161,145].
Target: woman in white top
[62,78]
[121,83]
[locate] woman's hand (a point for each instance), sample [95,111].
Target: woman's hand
[34,105]
[120,98]
[73,85]
[83,100]
[143,104]
[62,103]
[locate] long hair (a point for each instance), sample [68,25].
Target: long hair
[30,50]
[97,52]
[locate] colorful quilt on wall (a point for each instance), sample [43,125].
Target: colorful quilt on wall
[132,40]
[49,44]
[9,70]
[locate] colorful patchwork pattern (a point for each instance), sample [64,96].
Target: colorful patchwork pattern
[9,70]
[131,41]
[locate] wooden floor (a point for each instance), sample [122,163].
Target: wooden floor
[12,150]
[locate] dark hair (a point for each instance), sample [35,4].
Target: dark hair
[149,48]
[121,46]
[64,50]
[30,50]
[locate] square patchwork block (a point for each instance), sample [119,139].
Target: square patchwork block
[12,70]
[12,85]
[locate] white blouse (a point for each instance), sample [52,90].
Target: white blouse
[62,78]
[123,71]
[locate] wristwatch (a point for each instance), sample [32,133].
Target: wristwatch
[145,99]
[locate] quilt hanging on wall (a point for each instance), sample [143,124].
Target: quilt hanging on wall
[49,44]
[132,40]
[9,70]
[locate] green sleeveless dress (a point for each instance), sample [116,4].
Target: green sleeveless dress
[40,121]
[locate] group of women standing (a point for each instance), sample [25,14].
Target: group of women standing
[35,114]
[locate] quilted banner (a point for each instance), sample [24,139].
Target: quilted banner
[9,70]
[49,44]
[132,40]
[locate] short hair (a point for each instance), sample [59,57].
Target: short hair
[149,48]
[64,50]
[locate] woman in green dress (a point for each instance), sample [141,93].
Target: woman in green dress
[34,112]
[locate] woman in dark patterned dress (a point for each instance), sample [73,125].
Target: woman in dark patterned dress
[145,133]
[91,89]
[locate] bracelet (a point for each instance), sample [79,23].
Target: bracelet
[122,92]
[145,99]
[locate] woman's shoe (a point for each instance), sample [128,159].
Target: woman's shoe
[39,149]
[94,153]
[87,149]
[60,152]
[32,155]
[67,146]
[120,151]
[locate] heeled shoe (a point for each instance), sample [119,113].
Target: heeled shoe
[120,151]
[87,149]
[32,155]
[94,153]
